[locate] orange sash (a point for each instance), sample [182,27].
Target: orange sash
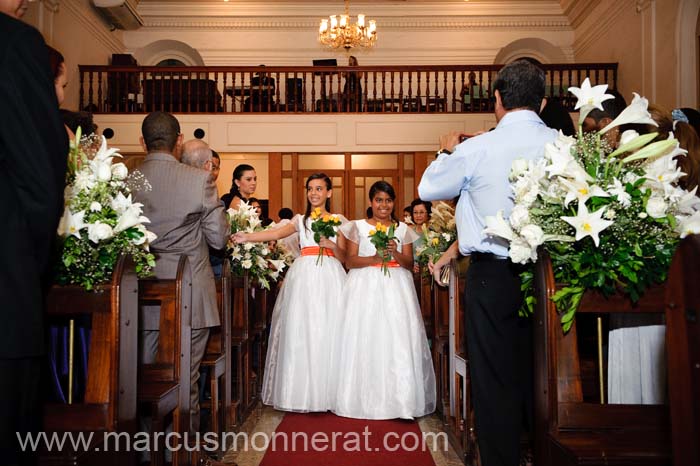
[391,263]
[314,250]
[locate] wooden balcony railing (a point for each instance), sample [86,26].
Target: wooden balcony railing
[305,89]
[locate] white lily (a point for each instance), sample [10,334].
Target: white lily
[517,168]
[246,264]
[520,251]
[105,154]
[101,169]
[121,203]
[533,234]
[580,190]
[496,225]
[261,261]
[688,225]
[519,216]
[636,112]
[277,264]
[689,202]
[618,190]
[588,223]
[589,97]
[71,223]
[130,218]
[559,159]
[662,174]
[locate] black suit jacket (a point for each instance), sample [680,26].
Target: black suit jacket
[33,150]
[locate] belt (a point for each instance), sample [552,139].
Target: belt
[391,263]
[314,251]
[485,257]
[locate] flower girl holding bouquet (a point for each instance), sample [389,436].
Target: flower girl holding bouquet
[297,365]
[380,361]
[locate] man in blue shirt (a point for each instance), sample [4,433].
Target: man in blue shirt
[499,342]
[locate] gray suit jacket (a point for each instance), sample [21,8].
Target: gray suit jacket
[186,214]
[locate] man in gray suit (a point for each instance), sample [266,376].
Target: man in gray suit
[187,216]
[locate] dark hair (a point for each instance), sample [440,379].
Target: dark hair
[693,117]
[160,131]
[73,120]
[329,186]
[556,116]
[285,213]
[408,209]
[611,107]
[237,174]
[55,61]
[214,154]
[381,187]
[428,206]
[521,85]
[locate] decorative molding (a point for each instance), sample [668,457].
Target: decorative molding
[94,25]
[50,5]
[578,11]
[602,21]
[643,5]
[415,23]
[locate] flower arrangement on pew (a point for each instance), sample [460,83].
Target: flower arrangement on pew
[609,219]
[100,221]
[438,235]
[262,263]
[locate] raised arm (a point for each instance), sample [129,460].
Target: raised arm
[446,176]
[267,235]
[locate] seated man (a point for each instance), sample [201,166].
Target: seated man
[262,92]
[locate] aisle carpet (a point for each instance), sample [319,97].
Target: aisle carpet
[351,447]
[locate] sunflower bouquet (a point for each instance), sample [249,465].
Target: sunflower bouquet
[380,236]
[323,225]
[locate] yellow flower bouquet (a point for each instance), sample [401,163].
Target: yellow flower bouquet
[380,236]
[323,225]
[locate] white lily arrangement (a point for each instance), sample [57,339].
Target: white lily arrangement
[100,221]
[263,262]
[609,219]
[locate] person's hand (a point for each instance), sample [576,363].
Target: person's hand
[436,268]
[239,238]
[450,140]
[326,243]
[416,268]
[392,247]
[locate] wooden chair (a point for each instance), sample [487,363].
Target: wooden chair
[240,370]
[569,431]
[165,384]
[683,351]
[109,401]
[217,358]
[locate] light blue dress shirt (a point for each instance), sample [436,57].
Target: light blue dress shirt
[478,171]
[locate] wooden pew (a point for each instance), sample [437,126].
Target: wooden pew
[423,282]
[217,357]
[109,402]
[165,384]
[569,431]
[240,364]
[683,351]
[441,347]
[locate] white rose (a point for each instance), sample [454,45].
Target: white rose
[95,207]
[446,236]
[119,171]
[627,136]
[101,170]
[99,231]
[246,264]
[533,235]
[519,216]
[656,207]
[642,215]
[520,252]
[518,167]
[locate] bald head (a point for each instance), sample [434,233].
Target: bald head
[196,153]
[14,8]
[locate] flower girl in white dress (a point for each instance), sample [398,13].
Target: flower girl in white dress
[297,365]
[381,362]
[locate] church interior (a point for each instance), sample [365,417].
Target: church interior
[250,78]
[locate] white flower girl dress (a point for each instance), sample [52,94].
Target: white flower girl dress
[381,362]
[297,363]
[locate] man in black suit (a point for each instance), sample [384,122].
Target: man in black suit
[33,150]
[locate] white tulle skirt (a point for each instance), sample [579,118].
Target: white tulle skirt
[381,362]
[297,364]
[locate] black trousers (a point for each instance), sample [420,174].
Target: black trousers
[20,407]
[500,359]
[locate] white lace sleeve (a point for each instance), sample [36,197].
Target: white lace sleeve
[410,235]
[349,230]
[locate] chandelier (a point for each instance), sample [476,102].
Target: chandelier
[337,31]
